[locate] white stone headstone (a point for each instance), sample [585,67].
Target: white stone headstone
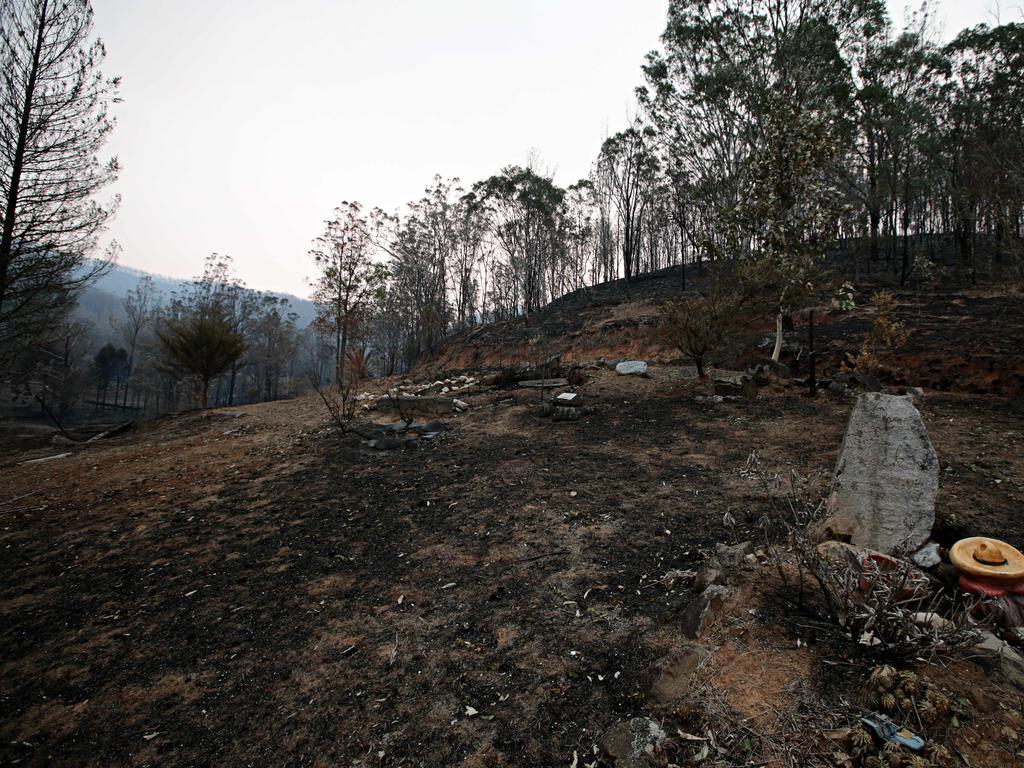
[887,478]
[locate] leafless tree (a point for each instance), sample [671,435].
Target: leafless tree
[141,305]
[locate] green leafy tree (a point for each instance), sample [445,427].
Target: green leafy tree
[204,344]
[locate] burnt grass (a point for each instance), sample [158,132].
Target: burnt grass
[274,593]
[337,604]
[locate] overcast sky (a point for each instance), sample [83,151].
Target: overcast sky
[245,122]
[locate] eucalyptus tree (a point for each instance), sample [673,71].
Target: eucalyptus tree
[434,245]
[272,340]
[983,137]
[141,306]
[523,209]
[54,121]
[350,281]
[627,168]
[580,231]
[471,247]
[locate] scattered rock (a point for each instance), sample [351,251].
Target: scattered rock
[669,677]
[740,385]
[713,399]
[768,370]
[1001,658]
[631,368]
[711,572]
[888,478]
[931,619]
[914,393]
[633,743]
[927,556]
[565,414]
[731,557]
[702,611]
[838,388]
[460,405]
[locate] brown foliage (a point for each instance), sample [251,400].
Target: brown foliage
[886,335]
[701,326]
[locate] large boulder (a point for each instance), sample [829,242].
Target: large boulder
[631,368]
[887,478]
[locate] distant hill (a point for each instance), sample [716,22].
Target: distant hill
[102,299]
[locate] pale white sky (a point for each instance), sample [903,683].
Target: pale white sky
[245,122]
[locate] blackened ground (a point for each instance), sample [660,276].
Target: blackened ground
[248,587]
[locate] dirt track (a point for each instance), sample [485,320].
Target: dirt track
[256,590]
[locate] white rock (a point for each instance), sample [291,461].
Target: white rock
[927,556]
[631,368]
[460,405]
[931,619]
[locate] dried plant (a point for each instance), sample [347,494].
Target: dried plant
[341,405]
[886,335]
[885,605]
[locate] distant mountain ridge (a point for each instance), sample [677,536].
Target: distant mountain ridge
[120,279]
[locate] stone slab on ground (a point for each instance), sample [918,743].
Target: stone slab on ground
[543,383]
[888,478]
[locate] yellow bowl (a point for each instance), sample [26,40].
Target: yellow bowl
[988,558]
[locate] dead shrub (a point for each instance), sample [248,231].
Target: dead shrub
[886,606]
[699,327]
[886,335]
[341,405]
